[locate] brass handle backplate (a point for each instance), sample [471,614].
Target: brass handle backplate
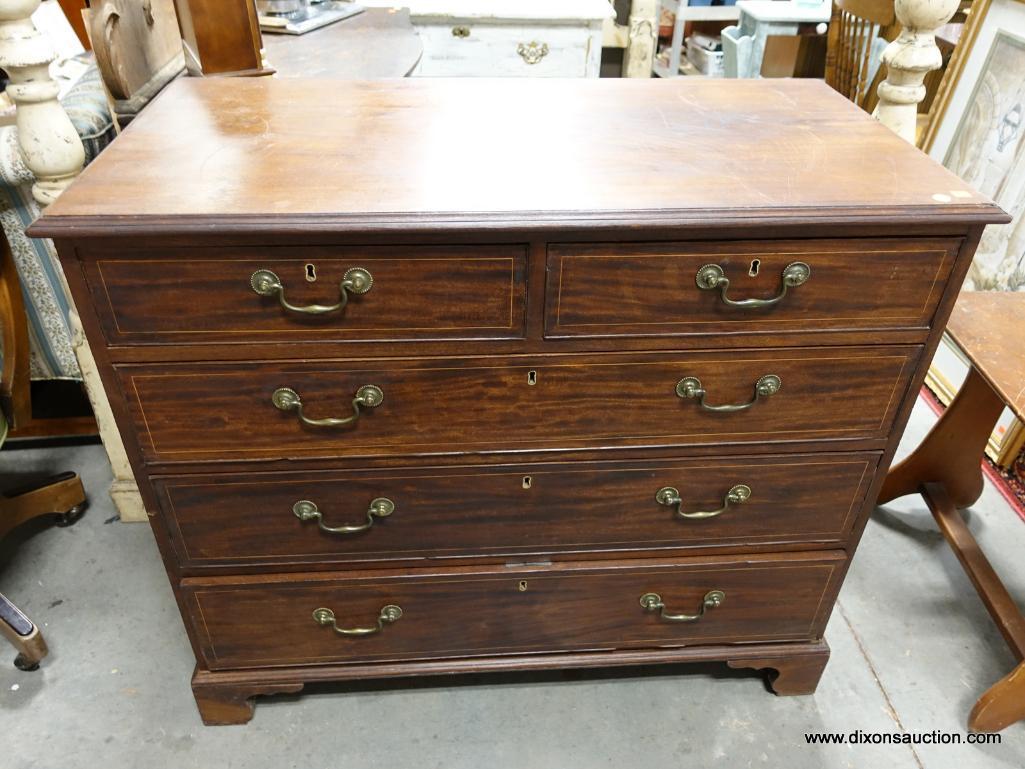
[712,276]
[355,281]
[368,396]
[653,602]
[737,495]
[389,614]
[305,510]
[532,52]
[690,388]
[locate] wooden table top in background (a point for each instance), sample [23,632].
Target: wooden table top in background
[267,151]
[989,326]
[378,43]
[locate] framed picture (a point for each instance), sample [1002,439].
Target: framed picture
[978,132]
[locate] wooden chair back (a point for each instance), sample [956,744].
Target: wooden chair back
[854,25]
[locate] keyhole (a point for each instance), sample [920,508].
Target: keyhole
[311,273]
[532,378]
[527,481]
[755,264]
[522,587]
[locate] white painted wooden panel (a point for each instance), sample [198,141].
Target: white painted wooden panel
[491,51]
[575,11]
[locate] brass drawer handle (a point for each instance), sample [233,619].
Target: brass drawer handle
[737,495]
[460,31]
[690,387]
[653,602]
[305,510]
[389,614]
[532,52]
[712,276]
[355,281]
[368,396]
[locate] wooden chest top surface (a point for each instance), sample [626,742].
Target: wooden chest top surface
[265,153]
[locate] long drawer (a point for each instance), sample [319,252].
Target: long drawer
[200,295]
[275,519]
[797,287]
[432,406]
[418,614]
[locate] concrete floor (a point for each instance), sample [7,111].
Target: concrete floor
[912,649]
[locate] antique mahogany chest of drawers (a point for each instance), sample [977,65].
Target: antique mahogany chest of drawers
[426,377]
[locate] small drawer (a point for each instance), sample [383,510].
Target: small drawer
[474,48]
[687,289]
[421,614]
[215,412]
[206,295]
[313,518]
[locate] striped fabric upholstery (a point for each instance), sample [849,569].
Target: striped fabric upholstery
[46,298]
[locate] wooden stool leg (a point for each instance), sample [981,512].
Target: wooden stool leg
[1004,703]
[1001,705]
[952,452]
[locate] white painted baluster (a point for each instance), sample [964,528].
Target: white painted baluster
[51,147]
[643,30]
[908,59]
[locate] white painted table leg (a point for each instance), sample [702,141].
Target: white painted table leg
[908,59]
[124,490]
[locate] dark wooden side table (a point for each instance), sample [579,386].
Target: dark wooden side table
[378,43]
[946,470]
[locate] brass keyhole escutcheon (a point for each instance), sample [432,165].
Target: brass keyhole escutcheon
[311,273]
[522,587]
[531,378]
[527,481]
[755,264]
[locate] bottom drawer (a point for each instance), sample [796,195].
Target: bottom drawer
[270,620]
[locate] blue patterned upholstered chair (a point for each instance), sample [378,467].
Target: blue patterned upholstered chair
[46,300]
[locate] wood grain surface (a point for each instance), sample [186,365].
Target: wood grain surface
[471,406]
[267,621]
[262,152]
[204,295]
[377,43]
[492,512]
[621,289]
[225,697]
